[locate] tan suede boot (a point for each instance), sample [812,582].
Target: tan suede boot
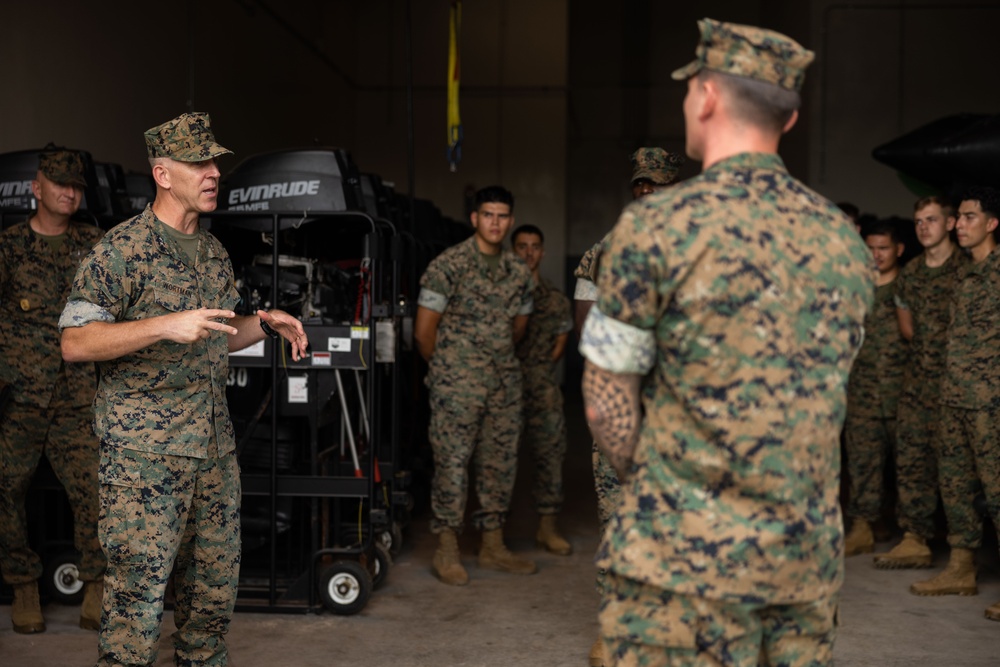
[447,562]
[90,610]
[860,539]
[26,611]
[548,536]
[993,612]
[912,551]
[957,578]
[493,555]
[598,655]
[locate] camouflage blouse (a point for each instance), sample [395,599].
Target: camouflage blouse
[740,296]
[168,398]
[35,281]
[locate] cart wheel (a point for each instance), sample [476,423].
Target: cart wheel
[392,539]
[345,587]
[62,579]
[383,563]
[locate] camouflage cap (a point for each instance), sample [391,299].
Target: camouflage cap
[656,164]
[62,167]
[187,138]
[755,53]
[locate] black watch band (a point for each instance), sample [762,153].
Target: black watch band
[268,330]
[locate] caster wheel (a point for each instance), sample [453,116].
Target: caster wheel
[391,539]
[344,587]
[62,579]
[383,563]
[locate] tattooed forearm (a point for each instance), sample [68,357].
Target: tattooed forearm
[613,413]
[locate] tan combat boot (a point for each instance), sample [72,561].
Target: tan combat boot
[90,611]
[493,555]
[598,655]
[993,612]
[912,551]
[860,539]
[957,578]
[25,611]
[447,562]
[548,536]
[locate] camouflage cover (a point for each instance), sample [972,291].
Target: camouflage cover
[748,51]
[63,167]
[656,164]
[187,138]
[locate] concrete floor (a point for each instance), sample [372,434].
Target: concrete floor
[547,619]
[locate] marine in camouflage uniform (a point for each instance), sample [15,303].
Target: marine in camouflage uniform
[652,169]
[923,294]
[969,456]
[545,426]
[873,393]
[731,306]
[48,409]
[541,348]
[153,304]
[471,302]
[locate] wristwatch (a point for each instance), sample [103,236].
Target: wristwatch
[267,329]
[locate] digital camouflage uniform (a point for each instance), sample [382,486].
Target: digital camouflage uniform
[740,297]
[970,397]
[544,423]
[872,398]
[605,478]
[926,293]
[744,293]
[170,486]
[474,381]
[50,410]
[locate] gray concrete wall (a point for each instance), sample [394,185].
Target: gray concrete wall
[621,56]
[555,94]
[884,70]
[95,75]
[308,72]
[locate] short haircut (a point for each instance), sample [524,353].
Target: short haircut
[526,229]
[988,198]
[849,209]
[947,208]
[761,104]
[881,228]
[493,194]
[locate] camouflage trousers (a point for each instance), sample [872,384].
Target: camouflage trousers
[475,417]
[544,438]
[65,435]
[163,514]
[870,442]
[645,626]
[917,422]
[968,460]
[609,493]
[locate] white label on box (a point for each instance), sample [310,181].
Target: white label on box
[338,344]
[255,350]
[322,359]
[298,389]
[359,333]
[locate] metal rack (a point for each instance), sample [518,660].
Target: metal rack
[330,454]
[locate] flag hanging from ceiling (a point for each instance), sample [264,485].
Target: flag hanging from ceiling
[454,70]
